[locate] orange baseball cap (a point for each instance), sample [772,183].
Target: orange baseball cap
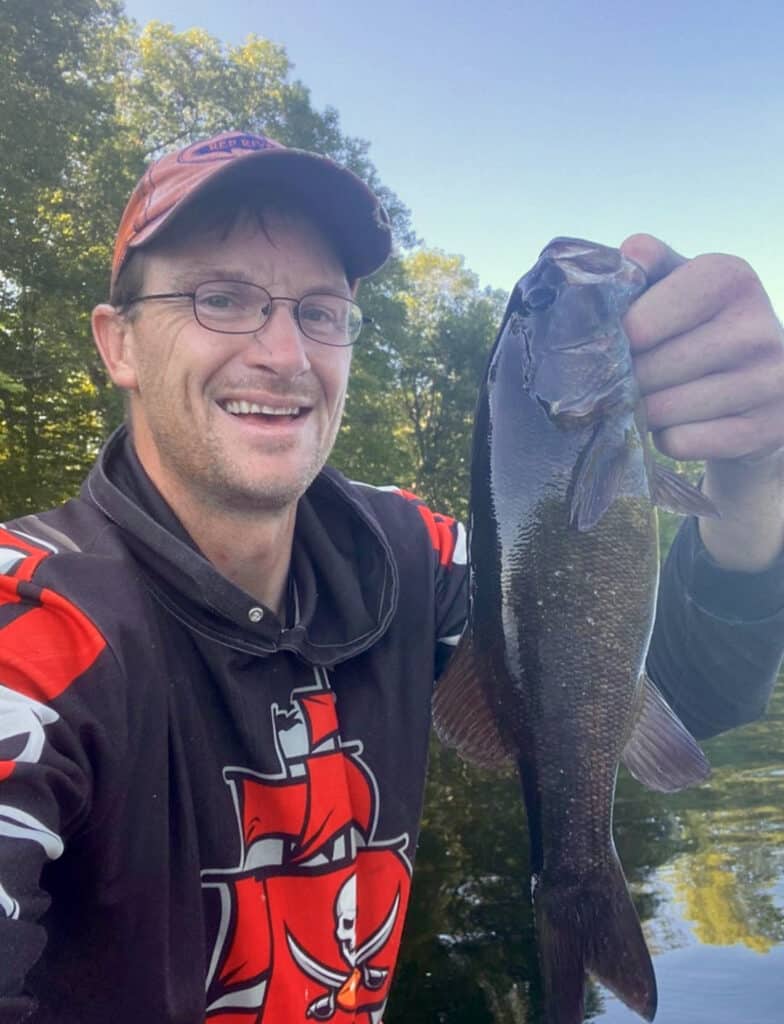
[339,201]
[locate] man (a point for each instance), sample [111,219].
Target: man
[216,663]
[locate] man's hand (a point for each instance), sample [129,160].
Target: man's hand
[709,356]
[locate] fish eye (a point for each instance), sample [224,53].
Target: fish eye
[540,298]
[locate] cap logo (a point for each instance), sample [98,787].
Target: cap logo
[225,147]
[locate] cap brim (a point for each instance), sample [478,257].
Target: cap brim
[338,201]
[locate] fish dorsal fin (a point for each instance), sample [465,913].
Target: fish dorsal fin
[672,492]
[661,753]
[461,715]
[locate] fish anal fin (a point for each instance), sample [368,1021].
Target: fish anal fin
[592,925]
[672,492]
[661,753]
[462,716]
[602,468]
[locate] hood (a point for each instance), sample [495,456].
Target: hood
[344,574]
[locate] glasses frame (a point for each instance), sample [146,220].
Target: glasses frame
[364,320]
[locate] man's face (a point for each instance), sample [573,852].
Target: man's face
[187,378]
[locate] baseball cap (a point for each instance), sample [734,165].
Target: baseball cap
[339,201]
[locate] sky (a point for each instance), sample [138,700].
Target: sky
[502,124]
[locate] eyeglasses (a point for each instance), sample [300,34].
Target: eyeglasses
[238,307]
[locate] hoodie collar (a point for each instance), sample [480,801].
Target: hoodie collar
[345,576]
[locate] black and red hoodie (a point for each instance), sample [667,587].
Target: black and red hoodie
[210,815]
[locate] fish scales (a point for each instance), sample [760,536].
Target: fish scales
[555,582]
[563,554]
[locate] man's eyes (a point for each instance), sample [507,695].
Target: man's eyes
[225,299]
[318,314]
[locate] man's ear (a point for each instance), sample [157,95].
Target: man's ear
[112,335]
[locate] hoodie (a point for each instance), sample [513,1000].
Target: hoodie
[210,814]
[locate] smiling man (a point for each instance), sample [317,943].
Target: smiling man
[236,389]
[216,663]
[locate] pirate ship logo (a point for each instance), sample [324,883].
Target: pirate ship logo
[311,917]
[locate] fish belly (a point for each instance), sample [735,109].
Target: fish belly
[577,621]
[577,612]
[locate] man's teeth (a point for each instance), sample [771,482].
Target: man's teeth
[238,408]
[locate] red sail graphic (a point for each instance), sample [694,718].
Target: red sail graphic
[312,917]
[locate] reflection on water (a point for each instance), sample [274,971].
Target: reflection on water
[706,868]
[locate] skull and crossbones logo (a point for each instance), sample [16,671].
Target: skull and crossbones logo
[344,986]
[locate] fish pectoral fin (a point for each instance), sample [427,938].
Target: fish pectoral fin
[461,714]
[603,466]
[675,494]
[661,753]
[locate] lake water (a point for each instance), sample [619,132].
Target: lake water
[706,868]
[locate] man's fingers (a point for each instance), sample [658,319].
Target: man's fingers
[693,293]
[750,436]
[716,396]
[733,338]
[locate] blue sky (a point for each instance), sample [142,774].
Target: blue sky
[502,124]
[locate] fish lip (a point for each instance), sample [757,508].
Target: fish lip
[567,246]
[565,253]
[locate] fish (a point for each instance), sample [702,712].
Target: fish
[549,673]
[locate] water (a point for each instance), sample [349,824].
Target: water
[706,868]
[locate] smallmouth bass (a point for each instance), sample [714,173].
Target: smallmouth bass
[564,564]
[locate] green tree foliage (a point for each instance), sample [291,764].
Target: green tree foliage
[373,444]
[46,99]
[451,325]
[415,378]
[51,110]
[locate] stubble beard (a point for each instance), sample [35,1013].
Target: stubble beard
[212,478]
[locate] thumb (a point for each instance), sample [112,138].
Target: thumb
[655,258]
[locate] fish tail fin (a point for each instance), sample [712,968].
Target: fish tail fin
[592,926]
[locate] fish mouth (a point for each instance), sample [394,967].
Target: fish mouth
[584,262]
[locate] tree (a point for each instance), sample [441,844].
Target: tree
[187,85]
[415,379]
[450,327]
[46,97]
[51,107]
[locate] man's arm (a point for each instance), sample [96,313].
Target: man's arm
[44,791]
[718,638]
[48,650]
[709,357]
[750,494]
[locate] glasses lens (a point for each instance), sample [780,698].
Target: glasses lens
[330,319]
[233,307]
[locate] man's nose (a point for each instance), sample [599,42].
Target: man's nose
[279,345]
